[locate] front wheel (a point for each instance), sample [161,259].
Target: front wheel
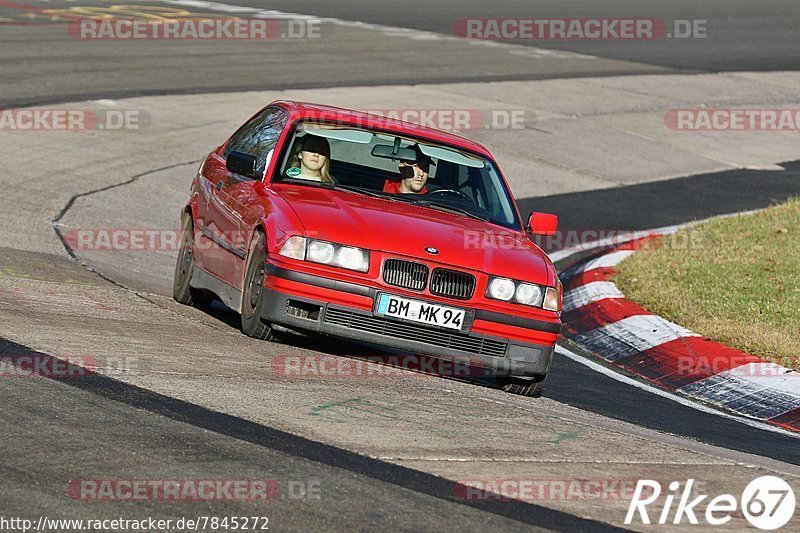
[182,292]
[253,293]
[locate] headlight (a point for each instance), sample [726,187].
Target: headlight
[326,253]
[501,289]
[528,294]
[294,247]
[321,252]
[524,293]
[353,258]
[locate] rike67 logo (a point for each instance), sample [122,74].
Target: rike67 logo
[768,503]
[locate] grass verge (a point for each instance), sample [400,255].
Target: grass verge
[735,280]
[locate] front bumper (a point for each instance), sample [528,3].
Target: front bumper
[300,309]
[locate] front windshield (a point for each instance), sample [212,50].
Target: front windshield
[405,169]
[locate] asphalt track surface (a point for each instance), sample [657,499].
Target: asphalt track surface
[196,440]
[669,202]
[41,63]
[742,36]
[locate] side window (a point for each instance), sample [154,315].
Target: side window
[259,136]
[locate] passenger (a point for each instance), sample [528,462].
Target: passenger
[413,176]
[311,160]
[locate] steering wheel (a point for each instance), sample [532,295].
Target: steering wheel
[452,193]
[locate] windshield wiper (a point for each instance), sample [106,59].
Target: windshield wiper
[450,208]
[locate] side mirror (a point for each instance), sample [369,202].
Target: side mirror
[542,224]
[242,164]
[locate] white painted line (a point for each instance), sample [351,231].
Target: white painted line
[591,292]
[635,334]
[608,260]
[390,31]
[616,376]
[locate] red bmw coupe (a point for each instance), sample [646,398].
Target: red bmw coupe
[318,219]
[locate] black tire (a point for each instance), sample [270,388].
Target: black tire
[523,387]
[253,292]
[182,292]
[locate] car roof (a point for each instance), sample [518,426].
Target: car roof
[311,111]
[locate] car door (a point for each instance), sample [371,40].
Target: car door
[229,212]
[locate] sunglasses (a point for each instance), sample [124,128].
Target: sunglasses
[424,166]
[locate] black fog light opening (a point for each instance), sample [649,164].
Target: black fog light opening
[303,309]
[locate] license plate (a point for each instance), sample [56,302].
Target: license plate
[423,312]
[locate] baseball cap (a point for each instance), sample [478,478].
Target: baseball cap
[318,145]
[423,161]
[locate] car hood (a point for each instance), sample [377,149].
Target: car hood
[404,229]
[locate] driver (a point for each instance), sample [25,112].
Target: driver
[413,175]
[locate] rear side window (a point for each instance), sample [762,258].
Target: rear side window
[259,136]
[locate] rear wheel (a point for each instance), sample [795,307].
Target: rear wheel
[253,293]
[523,387]
[181,290]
